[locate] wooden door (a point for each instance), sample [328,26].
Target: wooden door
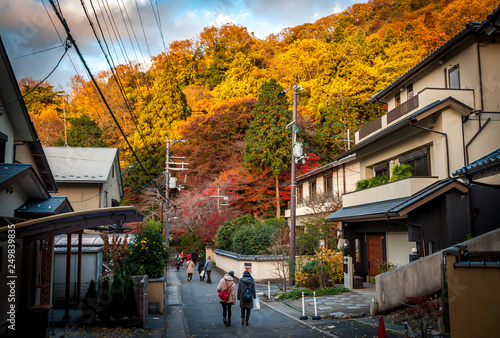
[375,255]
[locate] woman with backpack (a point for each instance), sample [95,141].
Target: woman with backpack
[227,295]
[246,295]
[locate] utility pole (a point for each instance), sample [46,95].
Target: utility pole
[167,187]
[293,192]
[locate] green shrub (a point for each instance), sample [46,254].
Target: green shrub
[362,184]
[224,238]
[377,180]
[190,243]
[89,308]
[146,250]
[130,300]
[400,171]
[104,302]
[117,296]
[254,240]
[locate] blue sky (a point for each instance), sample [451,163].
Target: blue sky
[25,28]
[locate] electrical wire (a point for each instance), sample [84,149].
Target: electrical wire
[143,31]
[40,51]
[73,43]
[115,75]
[67,46]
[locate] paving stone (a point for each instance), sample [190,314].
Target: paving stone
[353,307]
[336,314]
[325,308]
[345,304]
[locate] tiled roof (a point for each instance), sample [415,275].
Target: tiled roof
[365,210]
[481,166]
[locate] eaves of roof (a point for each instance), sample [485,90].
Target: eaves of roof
[17,173]
[489,164]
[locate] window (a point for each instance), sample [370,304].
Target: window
[454,77]
[398,100]
[328,183]
[420,161]
[409,90]
[3,142]
[300,192]
[381,170]
[113,171]
[312,188]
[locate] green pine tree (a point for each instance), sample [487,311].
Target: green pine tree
[268,142]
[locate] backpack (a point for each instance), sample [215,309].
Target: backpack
[247,295]
[225,294]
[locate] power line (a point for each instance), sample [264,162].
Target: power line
[115,75]
[73,42]
[143,31]
[40,51]
[67,46]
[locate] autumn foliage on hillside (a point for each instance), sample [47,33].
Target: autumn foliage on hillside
[340,61]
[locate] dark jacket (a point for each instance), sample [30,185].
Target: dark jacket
[241,287]
[201,264]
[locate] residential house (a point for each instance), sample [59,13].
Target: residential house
[442,114]
[90,177]
[30,216]
[320,190]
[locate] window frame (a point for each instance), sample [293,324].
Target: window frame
[451,72]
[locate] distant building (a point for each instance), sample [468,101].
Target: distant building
[89,177]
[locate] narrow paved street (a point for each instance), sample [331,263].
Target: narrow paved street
[193,310]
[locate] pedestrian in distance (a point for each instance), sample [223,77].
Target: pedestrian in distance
[194,257]
[246,294]
[188,257]
[208,268]
[190,269]
[227,294]
[178,262]
[201,265]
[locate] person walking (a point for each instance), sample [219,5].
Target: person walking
[227,283]
[178,262]
[190,269]
[201,265]
[208,268]
[246,294]
[194,257]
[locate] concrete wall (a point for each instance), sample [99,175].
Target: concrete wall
[262,267]
[422,277]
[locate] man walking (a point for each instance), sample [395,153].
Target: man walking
[208,268]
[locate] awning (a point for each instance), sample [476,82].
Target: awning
[362,212]
[399,207]
[73,221]
[488,165]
